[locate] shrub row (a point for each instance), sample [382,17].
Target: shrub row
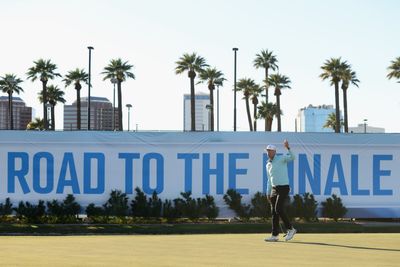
[153,207]
[118,210]
[115,210]
[300,206]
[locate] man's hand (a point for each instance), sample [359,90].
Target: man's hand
[286,144]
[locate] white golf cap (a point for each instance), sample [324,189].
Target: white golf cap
[271,147]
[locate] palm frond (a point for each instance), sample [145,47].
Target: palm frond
[394,69]
[10,84]
[54,95]
[279,81]
[268,111]
[190,62]
[265,60]
[76,76]
[212,76]
[245,85]
[119,70]
[333,69]
[43,69]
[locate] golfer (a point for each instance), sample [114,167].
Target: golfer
[278,190]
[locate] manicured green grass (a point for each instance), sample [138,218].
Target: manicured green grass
[201,250]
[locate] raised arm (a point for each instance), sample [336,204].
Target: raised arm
[289,156]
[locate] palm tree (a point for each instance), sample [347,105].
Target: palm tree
[246,85]
[255,92]
[279,81]
[331,122]
[333,70]
[10,84]
[267,61]
[77,76]
[121,71]
[54,96]
[213,77]
[44,70]
[394,69]
[348,76]
[268,112]
[37,124]
[193,64]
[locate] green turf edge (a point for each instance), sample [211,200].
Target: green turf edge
[187,228]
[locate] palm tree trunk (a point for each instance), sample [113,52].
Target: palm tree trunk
[266,95]
[212,106]
[192,75]
[10,111]
[278,105]
[45,122]
[255,103]
[78,109]
[248,113]
[278,116]
[53,123]
[119,106]
[337,111]
[269,124]
[346,125]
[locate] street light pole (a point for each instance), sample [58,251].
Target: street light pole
[90,62]
[234,89]
[113,81]
[217,108]
[129,115]
[365,125]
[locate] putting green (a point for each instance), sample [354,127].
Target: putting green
[201,250]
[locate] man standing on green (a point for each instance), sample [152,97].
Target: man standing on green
[278,190]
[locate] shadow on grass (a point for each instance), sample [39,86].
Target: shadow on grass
[343,246]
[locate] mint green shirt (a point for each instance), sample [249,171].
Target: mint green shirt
[277,170]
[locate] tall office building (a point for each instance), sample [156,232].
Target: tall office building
[22,114]
[313,118]
[202,112]
[100,113]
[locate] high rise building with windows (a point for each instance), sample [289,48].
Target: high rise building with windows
[313,118]
[202,112]
[22,114]
[101,110]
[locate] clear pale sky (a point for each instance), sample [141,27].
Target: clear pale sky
[153,34]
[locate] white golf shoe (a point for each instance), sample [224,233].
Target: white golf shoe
[272,238]
[290,234]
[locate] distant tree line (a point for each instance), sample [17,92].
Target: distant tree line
[337,71]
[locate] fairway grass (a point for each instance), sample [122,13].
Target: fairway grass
[201,250]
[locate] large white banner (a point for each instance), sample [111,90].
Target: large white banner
[362,169]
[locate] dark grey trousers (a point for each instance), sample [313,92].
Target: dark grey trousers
[278,197]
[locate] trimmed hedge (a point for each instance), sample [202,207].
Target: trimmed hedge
[145,209]
[333,208]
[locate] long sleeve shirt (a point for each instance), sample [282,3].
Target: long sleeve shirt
[277,170]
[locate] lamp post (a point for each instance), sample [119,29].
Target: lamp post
[217,108]
[129,115]
[234,89]
[113,81]
[89,84]
[365,125]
